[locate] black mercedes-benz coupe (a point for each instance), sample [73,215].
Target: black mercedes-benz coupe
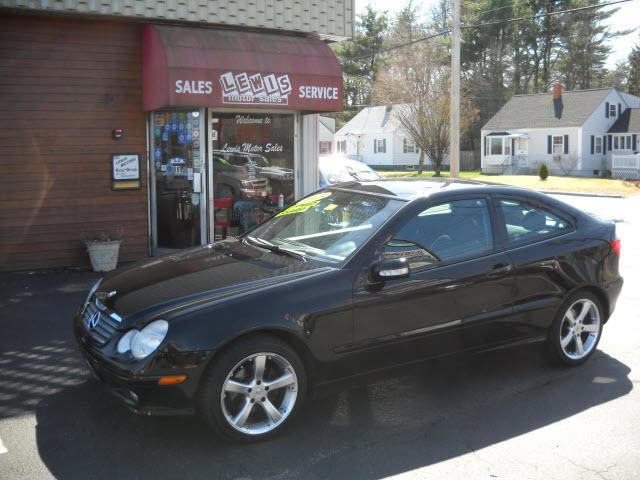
[358,277]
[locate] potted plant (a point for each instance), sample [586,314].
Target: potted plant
[103,248]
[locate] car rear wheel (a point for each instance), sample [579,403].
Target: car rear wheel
[577,329]
[253,389]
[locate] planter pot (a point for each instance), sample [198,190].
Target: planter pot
[103,255]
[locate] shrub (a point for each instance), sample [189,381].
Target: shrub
[543,171]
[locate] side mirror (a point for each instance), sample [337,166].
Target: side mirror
[392,269]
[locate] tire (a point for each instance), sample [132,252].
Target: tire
[233,384]
[568,346]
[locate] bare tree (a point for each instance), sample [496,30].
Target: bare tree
[417,82]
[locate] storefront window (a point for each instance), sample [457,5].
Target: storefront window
[177,166]
[253,159]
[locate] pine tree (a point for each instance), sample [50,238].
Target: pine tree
[633,81]
[361,58]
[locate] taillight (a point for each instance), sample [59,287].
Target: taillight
[616,246]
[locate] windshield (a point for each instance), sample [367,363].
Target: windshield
[363,174]
[335,173]
[327,226]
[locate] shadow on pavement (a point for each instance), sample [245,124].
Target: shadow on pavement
[423,416]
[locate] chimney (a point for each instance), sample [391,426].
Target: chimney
[557,100]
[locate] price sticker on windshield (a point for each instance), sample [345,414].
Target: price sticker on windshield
[304,204]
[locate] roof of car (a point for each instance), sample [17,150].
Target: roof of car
[408,189]
[341,162]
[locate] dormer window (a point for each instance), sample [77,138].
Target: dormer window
[613,110]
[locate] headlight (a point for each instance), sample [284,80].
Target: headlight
[144,342]
[92,291]
[124,345]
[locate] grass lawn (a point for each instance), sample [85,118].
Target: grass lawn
[565,184]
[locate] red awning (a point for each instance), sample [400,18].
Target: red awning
[199,67]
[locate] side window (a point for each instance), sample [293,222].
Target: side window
[530,223]
[443,233]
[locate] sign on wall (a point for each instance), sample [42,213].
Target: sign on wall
[125,171]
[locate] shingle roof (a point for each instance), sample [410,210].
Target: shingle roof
[628,122]
[328,122]
[372,120]
[537,110]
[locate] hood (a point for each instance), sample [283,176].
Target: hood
[197,274]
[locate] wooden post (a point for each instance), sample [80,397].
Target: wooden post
[454,142]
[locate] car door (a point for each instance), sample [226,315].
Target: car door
[457,296]
[540,242]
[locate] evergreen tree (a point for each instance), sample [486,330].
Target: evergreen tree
[633,80]
[584,45]
[361,58]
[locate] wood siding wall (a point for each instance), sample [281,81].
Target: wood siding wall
[64,86]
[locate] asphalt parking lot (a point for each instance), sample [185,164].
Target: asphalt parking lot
[501,415]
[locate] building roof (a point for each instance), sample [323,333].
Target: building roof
[372,120]
[537,110]
[631,100]
[628,122]
[328,122]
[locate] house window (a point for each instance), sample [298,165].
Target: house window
[597,148]
[341,146]
[495,147]
[558,145]
[622,142]
[380,145]
[507,146]
[612,109]
[325,148]
[408,145]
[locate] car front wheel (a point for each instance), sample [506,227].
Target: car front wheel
[253,389]
[576,330]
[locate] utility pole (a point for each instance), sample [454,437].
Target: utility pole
[454,127]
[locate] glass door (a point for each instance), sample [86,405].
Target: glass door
[251,169]
[177,169]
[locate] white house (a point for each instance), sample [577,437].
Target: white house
[572,132]
[326,130]
[622,140]
[376,137]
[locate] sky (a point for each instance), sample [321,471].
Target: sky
[628,17]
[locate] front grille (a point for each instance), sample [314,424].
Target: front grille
[100,328]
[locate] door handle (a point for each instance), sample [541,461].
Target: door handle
[499,269]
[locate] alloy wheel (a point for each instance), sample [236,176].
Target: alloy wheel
[580,329]
[259,393]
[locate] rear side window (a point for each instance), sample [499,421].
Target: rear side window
[528,223]
[443,233]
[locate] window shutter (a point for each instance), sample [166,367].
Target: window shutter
[604,144]
[566,144]
[609,142]
[549,144]
[606,109]
[592,145]
[619,109]
[634,141]
[513,146]
[375,146]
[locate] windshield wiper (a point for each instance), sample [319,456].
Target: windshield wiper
[275,248]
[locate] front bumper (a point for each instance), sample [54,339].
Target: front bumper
[137,389]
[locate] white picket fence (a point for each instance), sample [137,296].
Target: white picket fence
[625,166]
